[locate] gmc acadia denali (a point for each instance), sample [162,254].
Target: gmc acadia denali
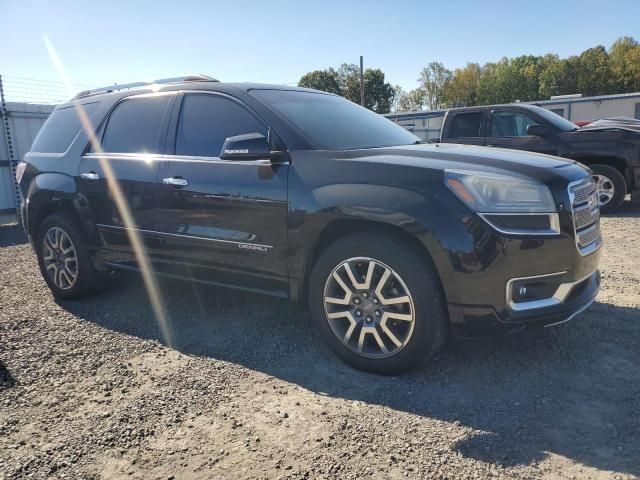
[393,243]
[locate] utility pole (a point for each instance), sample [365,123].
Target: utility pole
[361,81]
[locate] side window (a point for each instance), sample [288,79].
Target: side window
[207,120]
[134,125]
[465,125]
[637,115]
[558,111]
[60,129]
[510,124]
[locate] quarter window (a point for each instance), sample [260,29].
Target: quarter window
[466,125]
[60,129]
[134,126]
[510,124]
[206,121]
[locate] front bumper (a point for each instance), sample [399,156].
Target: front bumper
[474,321]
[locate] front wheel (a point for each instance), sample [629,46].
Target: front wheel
[377,303]
[611,187]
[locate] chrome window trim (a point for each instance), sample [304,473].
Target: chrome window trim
[178,158]
[193,237]
[559,296]
[554,224]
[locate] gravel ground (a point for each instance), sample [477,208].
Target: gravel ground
[88,389]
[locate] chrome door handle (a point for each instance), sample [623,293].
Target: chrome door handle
[175,181]
[90,176]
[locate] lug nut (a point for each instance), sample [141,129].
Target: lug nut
[375,300]
[365,294]
[356,301]
[377,313]
[369,319]
[358,313]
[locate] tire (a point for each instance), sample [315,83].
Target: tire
[607,176]
[61,230]
[411,276]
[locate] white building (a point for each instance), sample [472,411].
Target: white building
[586,109]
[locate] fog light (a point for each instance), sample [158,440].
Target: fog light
[531,289]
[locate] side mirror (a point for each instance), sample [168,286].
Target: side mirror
[537,130]
[250,146]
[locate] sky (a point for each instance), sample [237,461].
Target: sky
[272,41]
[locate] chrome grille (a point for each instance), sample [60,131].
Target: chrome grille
[586,215]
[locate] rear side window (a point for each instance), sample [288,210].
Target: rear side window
[465,125]
[60,129]
[134,126]
[207,120]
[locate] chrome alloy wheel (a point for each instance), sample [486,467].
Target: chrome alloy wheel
[60,258]
[605,188]
[369,307]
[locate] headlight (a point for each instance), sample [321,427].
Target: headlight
[493,193]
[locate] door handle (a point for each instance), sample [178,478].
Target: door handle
[175,181]
[90,176]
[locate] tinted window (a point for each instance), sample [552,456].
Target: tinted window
[134,125]
[60,129]
[330,122]
[637,115]
[557,121]
[466,125]
[510,124]
[207,120]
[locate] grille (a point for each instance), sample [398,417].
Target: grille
[586,215]
[588,236]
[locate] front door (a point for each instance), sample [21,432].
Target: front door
[223,221]
[508,129]
[119,179]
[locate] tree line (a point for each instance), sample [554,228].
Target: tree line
[596,71]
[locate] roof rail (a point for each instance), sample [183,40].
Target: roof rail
[126,86]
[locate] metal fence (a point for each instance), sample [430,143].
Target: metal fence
[24,106]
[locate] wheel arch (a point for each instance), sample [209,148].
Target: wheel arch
[337,229]
[619,163]
[51,193]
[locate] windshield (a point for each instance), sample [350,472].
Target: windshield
[330,122]
[556,120]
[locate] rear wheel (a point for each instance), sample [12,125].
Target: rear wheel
[611,187]
[377,303]
[64,259]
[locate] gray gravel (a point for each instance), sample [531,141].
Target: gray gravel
[88,389]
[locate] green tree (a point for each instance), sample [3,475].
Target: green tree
[433,80]
[378,94]
[325,80]
[594,72]
[413,100]
[558,77]
[624,59]
[463,88]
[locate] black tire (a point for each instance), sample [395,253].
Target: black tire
[88,279]
[430,327]
[619,185]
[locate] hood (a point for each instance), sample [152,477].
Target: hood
[616,123]
[442,156]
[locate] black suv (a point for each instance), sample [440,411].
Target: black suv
[301,194]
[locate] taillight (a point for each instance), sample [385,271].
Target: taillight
[20,168]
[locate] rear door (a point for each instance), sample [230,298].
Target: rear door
[508,129]
[118,180]
[223,220]
[466,127]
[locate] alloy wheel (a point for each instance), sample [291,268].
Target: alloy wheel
[369,307]
[60,258]
[605,188]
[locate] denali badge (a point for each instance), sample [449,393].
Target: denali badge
[240,150]
[249,246]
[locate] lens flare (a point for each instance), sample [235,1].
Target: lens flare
[140,252]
